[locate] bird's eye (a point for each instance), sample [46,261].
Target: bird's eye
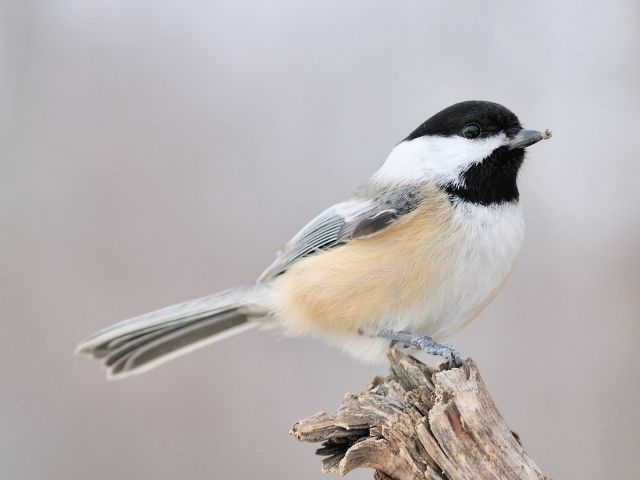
[471,131]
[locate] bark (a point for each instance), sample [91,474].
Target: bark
[420,423]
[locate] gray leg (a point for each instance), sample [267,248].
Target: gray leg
[426,344]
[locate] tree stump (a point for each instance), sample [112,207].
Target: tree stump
[420,423]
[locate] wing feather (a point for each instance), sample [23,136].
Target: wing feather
[343,222]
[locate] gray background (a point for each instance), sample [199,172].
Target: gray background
[155,151]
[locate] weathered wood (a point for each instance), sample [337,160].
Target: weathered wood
[420,423]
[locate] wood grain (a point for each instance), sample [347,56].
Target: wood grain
[419,423]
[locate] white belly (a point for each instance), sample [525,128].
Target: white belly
[492,239]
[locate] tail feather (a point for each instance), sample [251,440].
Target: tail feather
[141,343]
[166,346]
[126,347]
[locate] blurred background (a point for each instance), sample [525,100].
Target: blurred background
[156,151]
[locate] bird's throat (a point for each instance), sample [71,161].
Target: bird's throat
[492,181]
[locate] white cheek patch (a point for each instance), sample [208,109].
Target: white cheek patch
[440,160]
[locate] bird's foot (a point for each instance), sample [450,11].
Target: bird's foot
[428,345]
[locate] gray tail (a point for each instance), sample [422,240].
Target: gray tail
[142,343]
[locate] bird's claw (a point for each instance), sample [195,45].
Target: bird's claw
[428,345]
[454,359]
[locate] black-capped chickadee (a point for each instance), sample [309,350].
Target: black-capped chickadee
[414,255]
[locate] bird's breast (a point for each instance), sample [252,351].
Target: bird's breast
[492,237]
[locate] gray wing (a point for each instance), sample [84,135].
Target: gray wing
[356,218]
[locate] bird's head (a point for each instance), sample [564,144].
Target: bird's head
[472,149]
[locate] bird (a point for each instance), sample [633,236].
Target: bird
[415,254]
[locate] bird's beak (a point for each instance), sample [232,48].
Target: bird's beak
[524,138]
